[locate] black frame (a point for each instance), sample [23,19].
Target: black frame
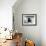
[30,24]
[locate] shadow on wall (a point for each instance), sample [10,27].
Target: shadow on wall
[17,4]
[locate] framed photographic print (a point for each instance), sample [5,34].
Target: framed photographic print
[29,19]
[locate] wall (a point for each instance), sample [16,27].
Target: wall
[43,22]
[28,7]
[6,13]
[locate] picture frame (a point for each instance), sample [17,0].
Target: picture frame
[29,19]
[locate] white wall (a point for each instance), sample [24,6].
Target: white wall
[6,13]
[28,7]
[43,22]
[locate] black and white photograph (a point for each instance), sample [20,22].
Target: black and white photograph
[29,19]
